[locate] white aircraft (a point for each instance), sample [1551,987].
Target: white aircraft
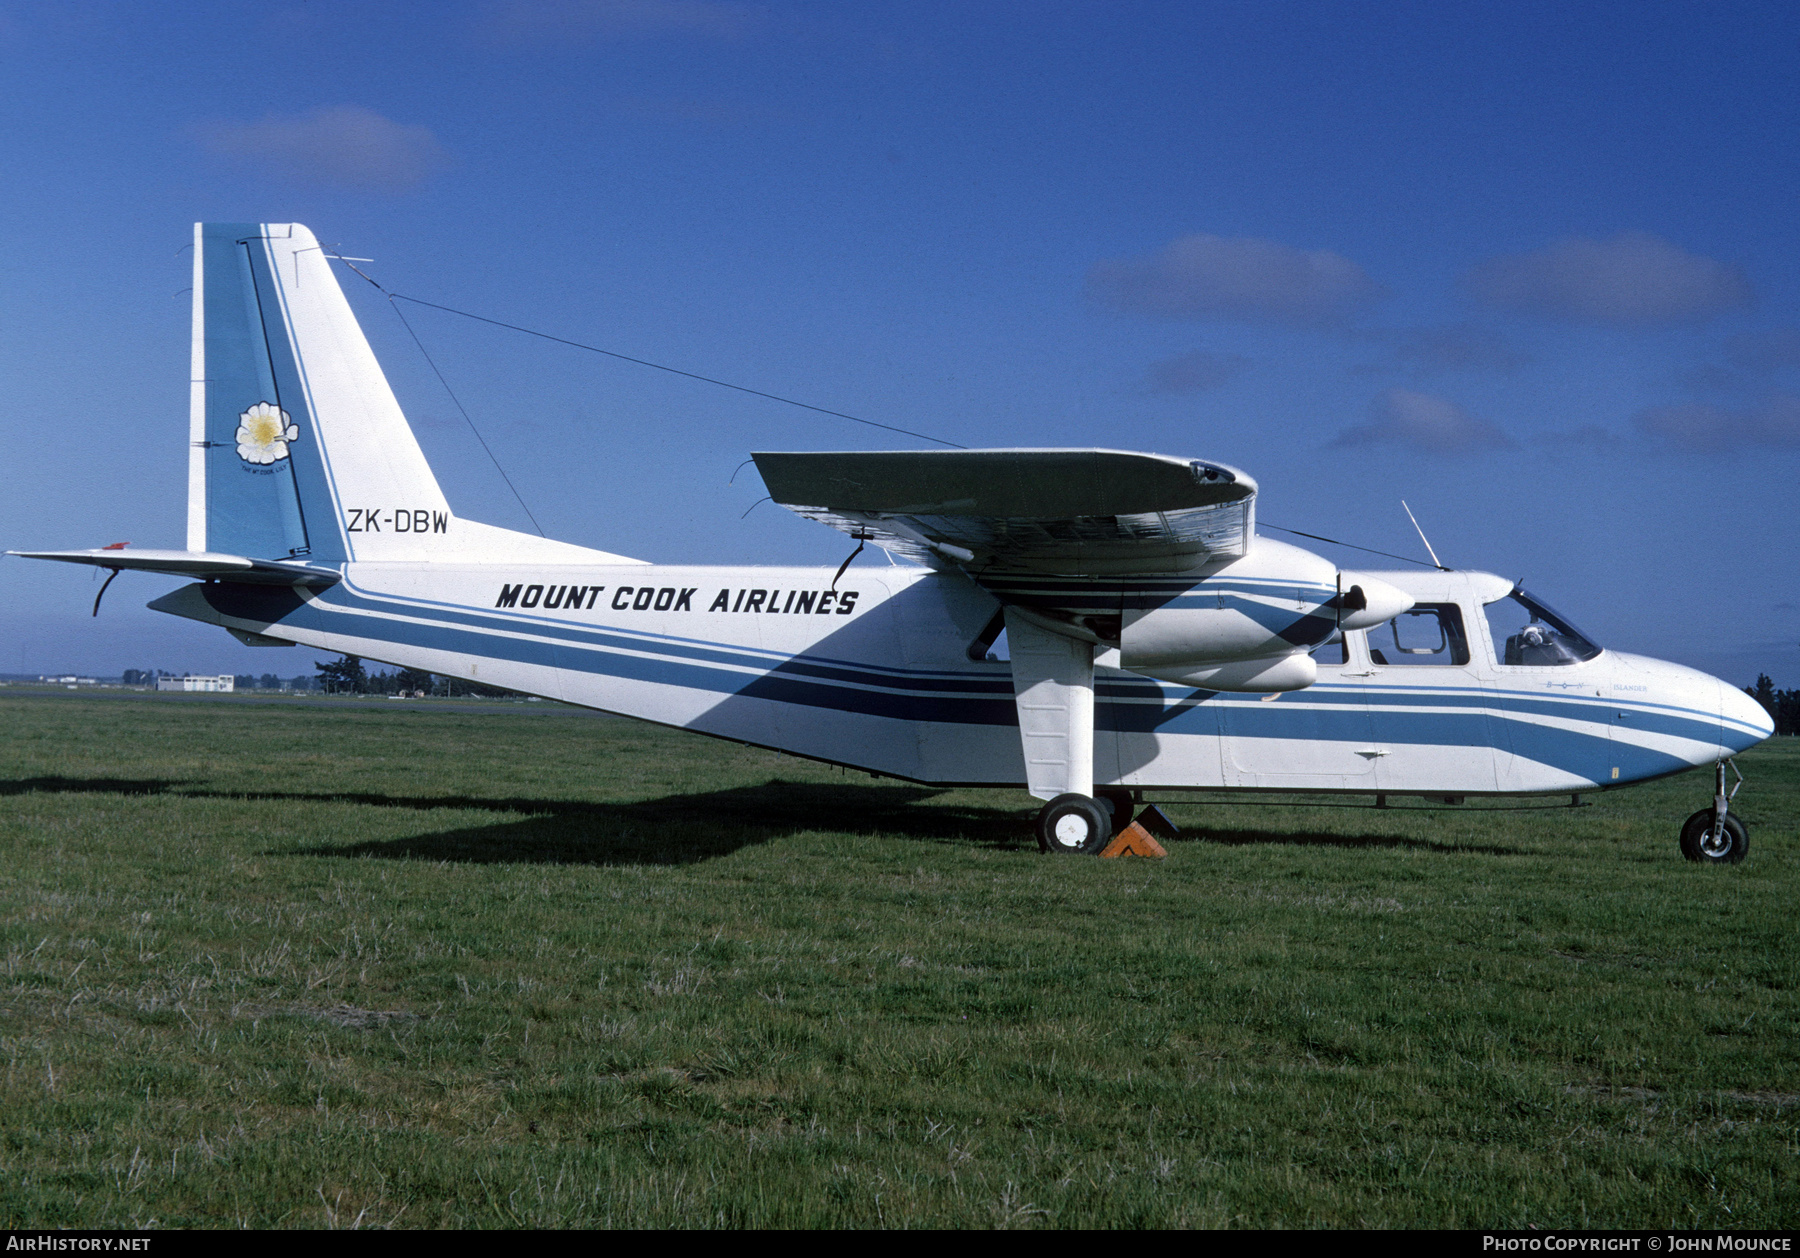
[1156,642]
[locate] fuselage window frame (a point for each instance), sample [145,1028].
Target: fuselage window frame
[1452,635]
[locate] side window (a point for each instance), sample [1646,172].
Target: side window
[1334,650]
[1430,633]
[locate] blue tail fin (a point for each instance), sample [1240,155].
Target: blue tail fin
[298,447]
[243,489]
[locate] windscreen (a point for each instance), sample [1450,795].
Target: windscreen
[1527,633]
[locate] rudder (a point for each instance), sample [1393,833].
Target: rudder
[299,448]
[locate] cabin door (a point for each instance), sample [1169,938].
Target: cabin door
[1429,705]
[1314,739]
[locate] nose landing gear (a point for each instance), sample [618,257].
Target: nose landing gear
[1713,836]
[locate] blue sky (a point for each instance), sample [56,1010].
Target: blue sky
[1531,267]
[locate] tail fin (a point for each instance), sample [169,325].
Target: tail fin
[298,447]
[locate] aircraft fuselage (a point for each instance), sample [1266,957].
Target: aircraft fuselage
[876,673]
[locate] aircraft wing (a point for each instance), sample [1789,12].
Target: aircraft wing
[195,563]
[1063,511]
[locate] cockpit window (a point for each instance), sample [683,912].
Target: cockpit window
[1528,634]
[1428,633]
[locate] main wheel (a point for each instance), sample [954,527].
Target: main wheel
[1698,844]
[1121,802]
[1074,823]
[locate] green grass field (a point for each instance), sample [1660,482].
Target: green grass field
[312,966]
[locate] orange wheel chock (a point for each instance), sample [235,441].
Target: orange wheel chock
[1139,838]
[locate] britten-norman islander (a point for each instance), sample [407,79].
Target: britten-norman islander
[1156,643]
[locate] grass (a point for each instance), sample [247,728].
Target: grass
[300,966]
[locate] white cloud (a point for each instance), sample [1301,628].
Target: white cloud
[1775,421]
[698,111]
[1424,422]
[1587,437]
[343,146]
[1196,371]
[1765,351]
[1213,277]
[1456,347]
[584,21]
[1634,278]
[1706,378]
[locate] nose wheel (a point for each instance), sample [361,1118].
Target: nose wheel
[1702,841]
[1713,836]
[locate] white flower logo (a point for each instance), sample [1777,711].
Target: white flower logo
[263,434]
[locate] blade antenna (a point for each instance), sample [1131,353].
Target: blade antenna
[1415,521]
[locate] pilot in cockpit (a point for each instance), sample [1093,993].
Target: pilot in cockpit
[1538,643]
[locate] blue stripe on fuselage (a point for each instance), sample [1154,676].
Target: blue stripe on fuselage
[974,696]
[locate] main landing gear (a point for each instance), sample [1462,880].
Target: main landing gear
[1077,824]
[1082,824]
[1713,836]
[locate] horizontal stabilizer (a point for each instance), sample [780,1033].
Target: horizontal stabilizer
[1065,511]
[195,563]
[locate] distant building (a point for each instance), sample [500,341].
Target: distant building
[225,681]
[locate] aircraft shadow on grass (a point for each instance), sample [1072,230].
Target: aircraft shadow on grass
[88,786]
[685,829]
[1313,838]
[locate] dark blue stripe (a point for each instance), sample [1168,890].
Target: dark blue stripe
[1335,713]
[619,639]
[267,602]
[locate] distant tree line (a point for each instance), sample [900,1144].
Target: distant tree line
[346,675]
[1783,706]
[269,681]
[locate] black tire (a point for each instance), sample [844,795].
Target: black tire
[1122,805]
[1074,824]
[1696,839]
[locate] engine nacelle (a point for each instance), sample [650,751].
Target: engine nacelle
[1366,601]
[1274,601]
[1249,625]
